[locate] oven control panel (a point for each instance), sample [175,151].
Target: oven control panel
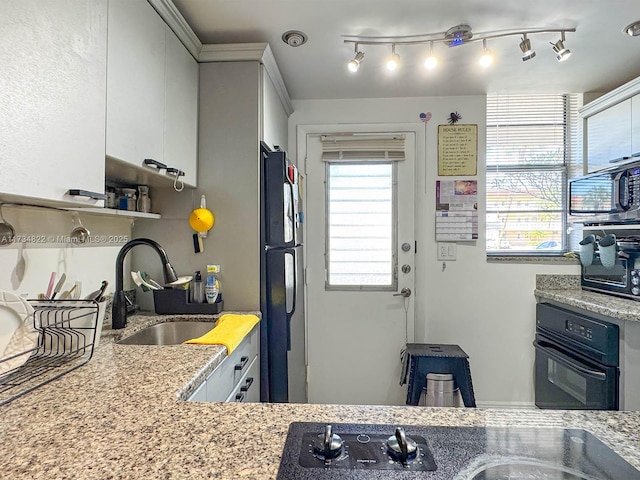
[578,329]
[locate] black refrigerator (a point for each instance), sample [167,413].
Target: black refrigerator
[282,329]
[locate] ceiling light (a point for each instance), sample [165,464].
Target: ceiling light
[486,58]
[458,35]
[354,64]
[527,52]
[562,53]
[632,30]
[394,59]
[431,62]
[462,35]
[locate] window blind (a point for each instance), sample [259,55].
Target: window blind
[348,148]
[531,140]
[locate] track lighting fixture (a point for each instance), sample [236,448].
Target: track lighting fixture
[462,35]
[486,59]
[633,29]
[562,53]
[431,62]
[394,60]
[354,64]
[527,52]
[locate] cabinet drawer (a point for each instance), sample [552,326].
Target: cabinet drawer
[222,380]
[248,388]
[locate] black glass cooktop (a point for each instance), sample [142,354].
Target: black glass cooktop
[449,453]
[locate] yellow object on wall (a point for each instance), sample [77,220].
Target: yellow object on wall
[201,220]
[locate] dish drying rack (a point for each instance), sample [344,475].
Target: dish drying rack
[66,339]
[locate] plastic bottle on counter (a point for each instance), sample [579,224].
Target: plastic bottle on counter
[197,288]
[211,287]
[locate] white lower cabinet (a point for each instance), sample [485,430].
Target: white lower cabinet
[239,373]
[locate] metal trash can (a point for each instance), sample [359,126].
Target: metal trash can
[439,391]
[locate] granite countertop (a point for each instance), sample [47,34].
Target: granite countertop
[121,416]
[566,289]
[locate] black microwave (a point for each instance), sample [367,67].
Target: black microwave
[622,280]
[608,192]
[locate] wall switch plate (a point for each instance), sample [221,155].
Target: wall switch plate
[447,251]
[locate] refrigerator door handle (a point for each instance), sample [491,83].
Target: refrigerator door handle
[292,252]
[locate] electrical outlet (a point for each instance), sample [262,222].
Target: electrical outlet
[447,251]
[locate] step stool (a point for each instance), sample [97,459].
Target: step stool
[423,358]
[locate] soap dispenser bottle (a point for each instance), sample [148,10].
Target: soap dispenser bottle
[211,287]
[197,289]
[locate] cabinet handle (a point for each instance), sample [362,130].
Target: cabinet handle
[240,397]
[154,163]
[175,171]
[621,159]
[247,384]
[76,192]
[242,364]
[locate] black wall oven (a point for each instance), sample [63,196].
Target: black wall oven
[576,361]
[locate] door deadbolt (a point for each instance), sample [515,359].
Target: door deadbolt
[406,268]
[405,292]
[406,247]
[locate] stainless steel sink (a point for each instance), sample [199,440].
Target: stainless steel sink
[170,333]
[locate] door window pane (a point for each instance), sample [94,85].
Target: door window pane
[360,225]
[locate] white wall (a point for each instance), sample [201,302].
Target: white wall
[26,265]
[488,309]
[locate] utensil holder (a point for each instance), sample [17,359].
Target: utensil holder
[176,301]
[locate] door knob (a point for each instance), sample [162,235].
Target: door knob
[405,292]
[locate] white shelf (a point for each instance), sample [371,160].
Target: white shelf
[117,213]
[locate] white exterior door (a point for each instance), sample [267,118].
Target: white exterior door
[358,262]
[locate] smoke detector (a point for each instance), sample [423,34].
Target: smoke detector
[458,35]
[294,38]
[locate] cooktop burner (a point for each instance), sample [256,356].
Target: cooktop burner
[379,452]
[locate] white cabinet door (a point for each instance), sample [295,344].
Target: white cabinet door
[181,109]
[53,78]
[200,395]
[135,82]
[609,136]
[635,126]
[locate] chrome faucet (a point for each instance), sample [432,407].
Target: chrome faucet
[119,307]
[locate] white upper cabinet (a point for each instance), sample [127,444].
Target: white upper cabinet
[135,82]
[613,127]
[181,109]
[53,77]
[609,136]
[635,126]
[152,91]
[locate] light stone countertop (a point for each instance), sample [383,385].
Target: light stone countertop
[120,417]
[566,289]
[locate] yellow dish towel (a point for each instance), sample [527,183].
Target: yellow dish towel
[229,331]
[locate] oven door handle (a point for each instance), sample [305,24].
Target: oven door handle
[568,362]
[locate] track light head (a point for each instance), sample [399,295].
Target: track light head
[486,59]
[394,60]
[525,46]
[354,64]
[633,29]
[562,53]
[431,62]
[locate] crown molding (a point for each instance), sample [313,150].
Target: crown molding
[607,100]
[230,52]
[176,22]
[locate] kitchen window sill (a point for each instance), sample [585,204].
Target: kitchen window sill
[539,259]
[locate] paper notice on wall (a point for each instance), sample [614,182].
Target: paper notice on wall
[457,150]
[456,210]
